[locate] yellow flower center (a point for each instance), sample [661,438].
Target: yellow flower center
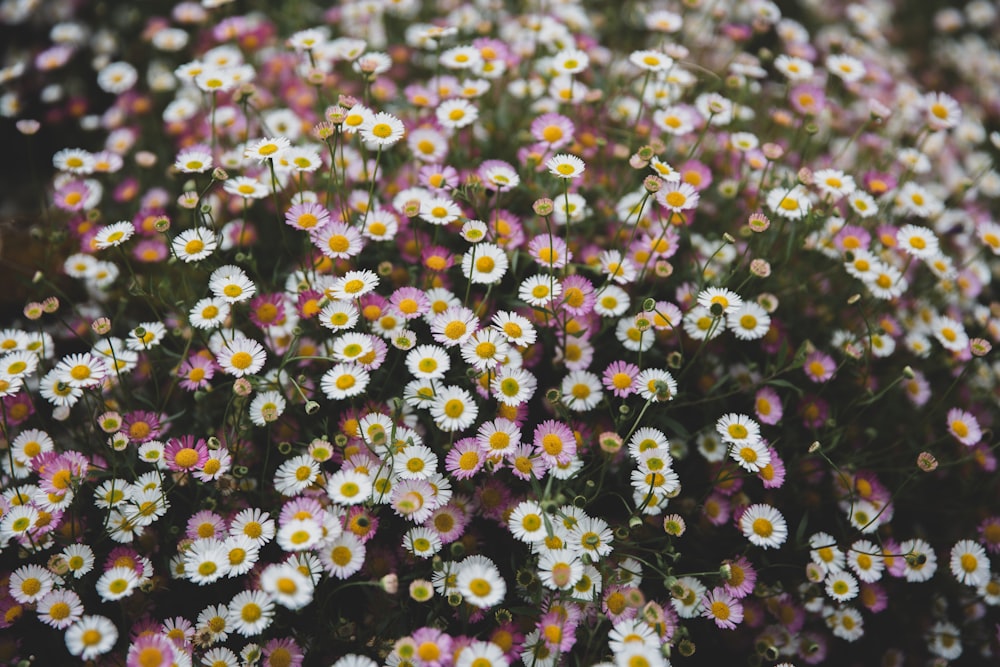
[763,527]
[241,360]
[186,457]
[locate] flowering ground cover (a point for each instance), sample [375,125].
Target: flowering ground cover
[486,333]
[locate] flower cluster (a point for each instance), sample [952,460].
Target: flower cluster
[450,333]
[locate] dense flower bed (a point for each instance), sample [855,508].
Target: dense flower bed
[490,333]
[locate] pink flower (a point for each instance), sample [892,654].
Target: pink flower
[721,606]
[284,652]
[554,442]
[151,650]
[964,427]
[619,378]
[185,454]
[767,406]
[819,366]
[742,577]
[196,372]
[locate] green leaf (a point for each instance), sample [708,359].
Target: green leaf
[776,382]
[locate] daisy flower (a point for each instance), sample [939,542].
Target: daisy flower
[60,608]
[353,285]
[485,264]
[700,324]
[559,569]
[942,112]
[80,371]
[591,536]
[845,67]
[414,462]
[819,366]
[240,357]
[193,245]
[655,384]
[231,284]
[338,315]
[266,407]
[675,120]
[612,301]
[885,281]
[196,372]
[620,378]
[79,558]
[862,203]
[841,586]
[152,649]
[846,623]
[456,113]
[337,240]
[255,524]
[738,429]
[969,563]
[792,203]
[454,409]
[539,290]
[581,390]
[296,475]
[251,612]
[427,144]
[422,542]
[465,459]
[720,606]
[479,582]
[454,326]
[114,234]
[565,166]
[193,161]
[91,636]
[865,560]
[964,427]
[834,183]
[651,61]
[267,148]
[516,329]
[182,454]
[74,161]
[287,585]
[919,559]
[950,333]
[428,361]
[678,196]
[209,313]
[764,526]
[343,556]
[553,129]
[554,442]
[307,216]
[752,456]
[117,583]
[29,583]
[749,321]
[485,349]
[206,561]
[918,241]
[382,129]
[741,577]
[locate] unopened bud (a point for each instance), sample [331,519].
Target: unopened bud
[543,207]
[927,462]
[101,326]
